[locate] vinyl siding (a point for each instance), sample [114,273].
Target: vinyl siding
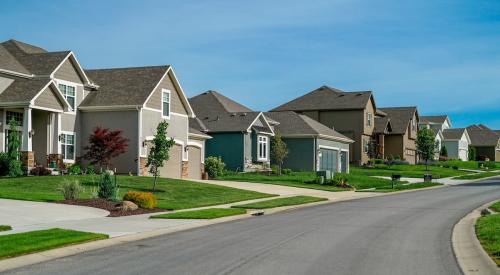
[176,104]
[228,146]
[48,99]
[301,154]
[68,72]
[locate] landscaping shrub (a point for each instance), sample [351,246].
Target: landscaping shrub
[4,164]
[397,162]
[490,164]
[71,189]
[286,171]
[379,161]
[107,188]
[75,169]
[142,199]
[90,170]
[214,166]
[340,180]
[40,171]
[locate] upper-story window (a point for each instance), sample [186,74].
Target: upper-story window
[262,147]
[165,103]
[69,93]
[369,119]
[413,125]
[16,116]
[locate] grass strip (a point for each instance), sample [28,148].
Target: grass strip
[488,233]
[35,241]
[478,176]
[280,202]
[5,228]
[400,187]
[211,213]
[496,206]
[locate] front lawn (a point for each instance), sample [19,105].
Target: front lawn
[24,243]
[280,202]
[478,176]
[400,187]
[488,233]
[172,193]
[211,213]
[496,206]
[305,179]
[5,228]
[472,165]
[410,171]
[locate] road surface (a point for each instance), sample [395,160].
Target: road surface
[407,233]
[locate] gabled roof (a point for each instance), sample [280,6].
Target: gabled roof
[212,103]
[292,124]
[327,98]
[481,135]
[382,125]
[440,119]
[23,90]
[400,118]
[454,133]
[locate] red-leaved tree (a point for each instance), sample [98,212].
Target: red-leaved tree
[104,145]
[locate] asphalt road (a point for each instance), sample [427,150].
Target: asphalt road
[408,233]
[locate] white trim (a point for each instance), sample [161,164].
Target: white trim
[266,141]
[265,120]
[45,109]
[199,136]
[74,145]
[194,144]
[66,106]
[9,72]
[70,110]
[329,147]
[177,114]
[79,68]
[166,91]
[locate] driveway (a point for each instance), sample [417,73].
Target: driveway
[406,233]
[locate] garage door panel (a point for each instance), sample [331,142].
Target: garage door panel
[194,166]
[173,167]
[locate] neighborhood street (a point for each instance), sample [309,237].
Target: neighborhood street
[407,233]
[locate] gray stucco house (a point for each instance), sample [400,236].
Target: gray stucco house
[311,145]
[57,105]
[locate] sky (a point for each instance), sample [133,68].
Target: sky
[441,56]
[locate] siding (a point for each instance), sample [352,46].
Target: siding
[48,99]
[39,142]
[228,146]
[301,154]
[68,72]
[176,104]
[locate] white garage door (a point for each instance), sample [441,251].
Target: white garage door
[173,167]
[194,167]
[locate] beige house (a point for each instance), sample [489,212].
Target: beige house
[58,104]
[350,113]
[485,141]
[400,142]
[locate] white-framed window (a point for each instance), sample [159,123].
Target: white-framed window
[413,125]
[17,116]
[165,103]
[369,119]
[69,92]
[68,146]
[262,147]
[366,146]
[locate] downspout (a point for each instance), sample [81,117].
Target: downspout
[139,134]
[315,154]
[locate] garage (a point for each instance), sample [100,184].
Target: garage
[328,159]
[173,167]
[194,166]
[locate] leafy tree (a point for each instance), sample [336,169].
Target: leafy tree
[472,153]
[159,152]
[279,151]
[426,145]
[104,145]
[444,151]
[14,140]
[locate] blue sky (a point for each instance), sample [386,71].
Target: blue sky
[442,56]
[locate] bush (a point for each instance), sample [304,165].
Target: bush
[274,169]
[490,164]
[75,169]
[397,162]
[286,171]
[40,171]
[90,170]
[15,168]
[71,189]
[4,164]
[214,166]
[107,188]
[340,180]
[142,199]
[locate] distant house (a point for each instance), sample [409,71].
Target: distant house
[400,142]
[440,122]
[350,113]
[456,140]
[312,146]
[485,141]
[240,136]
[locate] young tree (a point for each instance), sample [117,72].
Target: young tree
[14,143]
[472,153]
[426,145]
[159,152]
[104,145]
[444,151]
[279,151]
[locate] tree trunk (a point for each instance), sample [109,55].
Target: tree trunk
[154,184]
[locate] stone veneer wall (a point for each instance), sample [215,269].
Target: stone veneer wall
[184,173]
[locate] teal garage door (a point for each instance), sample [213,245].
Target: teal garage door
[328,159]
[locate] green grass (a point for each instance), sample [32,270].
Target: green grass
[496,206]
[409,171]
[473,165]
[5,228]
[24,243]
[400,187]
[211,213]
[172,193]
[302,179]
[280,202]
[488,233]
[478,176]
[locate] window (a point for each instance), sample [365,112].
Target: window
[165,101]
[262,148]
[17,116]
[413,125]
[68,146]
[366,146]
[369,118]
[69,94]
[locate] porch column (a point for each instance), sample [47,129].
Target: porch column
[27,155]
[55,158]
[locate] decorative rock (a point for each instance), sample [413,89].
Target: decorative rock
[485,212]
[128,206]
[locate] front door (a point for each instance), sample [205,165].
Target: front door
[328,159]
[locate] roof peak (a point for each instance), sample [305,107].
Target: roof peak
[130,68]
[24,47]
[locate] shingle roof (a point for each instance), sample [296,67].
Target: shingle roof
[382,125]
[327,98]
[497,131]
[293,124]
[229,122]
[212,103]
[481,135]
[23,90]
[433,119]
[400,118]
[123,86]
[453,133]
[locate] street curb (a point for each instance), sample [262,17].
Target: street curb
[469,253]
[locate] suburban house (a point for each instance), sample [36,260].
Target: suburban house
[240,136]
[350,113]
[57,105]
[440,122]
[311,145]
[400,142]
[456,140]
[485,141]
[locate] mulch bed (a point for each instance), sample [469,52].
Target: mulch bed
[112,207]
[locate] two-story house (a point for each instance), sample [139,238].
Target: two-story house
[456,140]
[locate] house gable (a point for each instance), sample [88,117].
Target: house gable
[155,99]
[48,99]
[68,71]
